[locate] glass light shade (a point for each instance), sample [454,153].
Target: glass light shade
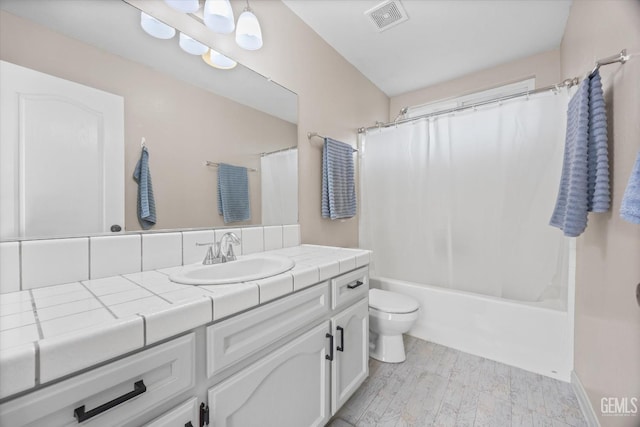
[192,46]
[155,28]
[218,60]
[218,16]
[249,34]
[186,6]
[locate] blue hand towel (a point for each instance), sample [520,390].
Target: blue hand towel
[233,193]
[338,182]
[599,197]
[570,212]
[146,203]
[630,208]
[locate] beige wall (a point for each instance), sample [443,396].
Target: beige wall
[334,99]
[175,118]
[545,67]
[607,323]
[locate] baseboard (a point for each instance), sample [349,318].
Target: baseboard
[585,404]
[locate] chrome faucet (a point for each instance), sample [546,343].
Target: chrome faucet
[218,252]
[229,239]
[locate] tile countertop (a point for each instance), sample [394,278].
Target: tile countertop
[51,332]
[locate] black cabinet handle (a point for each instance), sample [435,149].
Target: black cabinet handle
[355,285]
[341,346]
[329,356]
[204,415]
[188,424]
[81,415]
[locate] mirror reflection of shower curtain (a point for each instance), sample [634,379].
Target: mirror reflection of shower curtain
[279,175]
[463,201]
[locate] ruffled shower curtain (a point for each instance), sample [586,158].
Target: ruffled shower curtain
[463,201]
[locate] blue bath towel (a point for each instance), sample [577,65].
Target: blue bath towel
[233,193]
[630,208]
[146,203]
[599,197]
[338,182]
[570,213]
[584,185]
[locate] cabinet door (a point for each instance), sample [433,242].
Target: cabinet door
[289,388]
[351,367]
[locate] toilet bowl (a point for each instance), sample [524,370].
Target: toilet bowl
[390,315]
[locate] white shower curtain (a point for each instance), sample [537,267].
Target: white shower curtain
[463,201]
[279,175]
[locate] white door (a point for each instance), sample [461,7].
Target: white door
[62,156]
[351,364]
[289,388]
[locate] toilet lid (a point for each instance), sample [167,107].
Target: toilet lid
[391,302]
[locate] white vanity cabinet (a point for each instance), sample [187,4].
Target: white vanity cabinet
[291,362]
[304,381]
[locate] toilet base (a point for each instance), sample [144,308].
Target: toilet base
[388,349]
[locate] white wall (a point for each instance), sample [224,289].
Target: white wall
[607,318]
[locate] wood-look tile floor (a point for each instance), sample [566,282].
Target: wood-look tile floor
[439,386]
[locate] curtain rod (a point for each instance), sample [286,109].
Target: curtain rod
[215,165]
[621,57]
[317,135]
[279,151]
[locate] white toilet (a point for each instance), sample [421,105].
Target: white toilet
[390,315]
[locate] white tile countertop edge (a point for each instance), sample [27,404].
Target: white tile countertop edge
[95,324]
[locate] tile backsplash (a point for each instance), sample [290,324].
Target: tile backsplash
[31,264]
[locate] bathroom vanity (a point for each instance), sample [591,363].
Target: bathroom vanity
[287,350]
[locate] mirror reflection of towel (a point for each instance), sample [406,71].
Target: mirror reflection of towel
[146,203]
[233,193]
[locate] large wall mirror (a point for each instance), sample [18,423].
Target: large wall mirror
[187,112]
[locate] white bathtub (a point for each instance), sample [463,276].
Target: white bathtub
[526,335]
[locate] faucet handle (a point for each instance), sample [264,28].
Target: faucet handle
[230,255]
[213,255]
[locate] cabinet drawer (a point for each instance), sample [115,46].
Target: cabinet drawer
[116,393]
[237,338]
[349,288]
[186,415]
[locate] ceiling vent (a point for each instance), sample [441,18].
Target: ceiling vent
[386,15]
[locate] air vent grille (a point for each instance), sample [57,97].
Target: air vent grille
[386,15]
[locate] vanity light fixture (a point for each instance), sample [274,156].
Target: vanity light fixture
[192,46]
[155,28]
[218,60]
[248,33]
[186,6]
[218,16]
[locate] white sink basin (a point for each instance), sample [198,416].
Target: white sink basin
[245,268]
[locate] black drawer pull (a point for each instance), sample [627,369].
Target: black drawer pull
[81,415]
[341,346]
[355,285]
[329,356]
[188,424]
